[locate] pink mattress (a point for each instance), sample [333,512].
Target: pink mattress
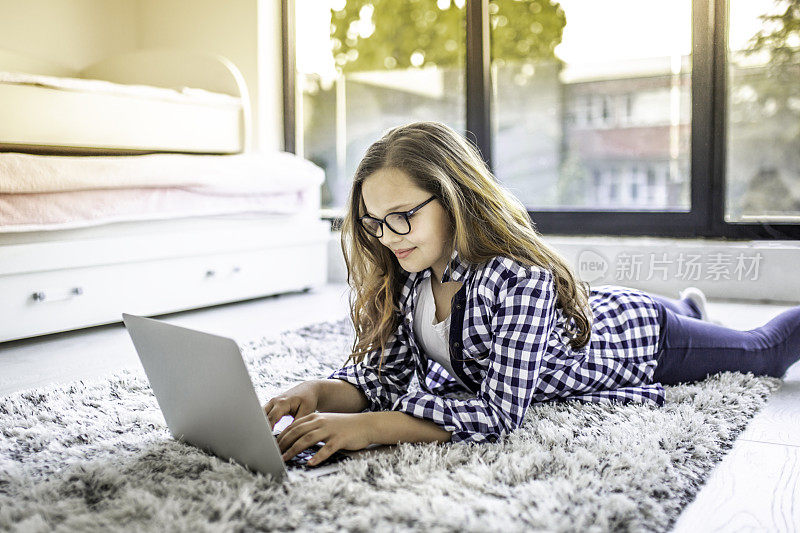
[61,192]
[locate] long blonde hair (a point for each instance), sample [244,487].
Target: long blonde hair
[488,221]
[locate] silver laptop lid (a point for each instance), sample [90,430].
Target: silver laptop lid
[205,393]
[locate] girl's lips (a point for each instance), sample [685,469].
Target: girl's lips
[405,253]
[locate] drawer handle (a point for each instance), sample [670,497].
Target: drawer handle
[213,273]
[41,296]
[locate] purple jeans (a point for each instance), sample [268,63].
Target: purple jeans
[689,349]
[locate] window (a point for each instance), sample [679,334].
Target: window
[763,132]
[577,55]
[555,96]
[628,107]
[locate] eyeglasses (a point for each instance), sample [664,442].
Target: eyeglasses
[397,221]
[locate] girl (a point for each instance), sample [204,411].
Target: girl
[451,281]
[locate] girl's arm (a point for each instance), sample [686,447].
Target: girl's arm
[389,427]
[393,427]
[381,382]
[338,396]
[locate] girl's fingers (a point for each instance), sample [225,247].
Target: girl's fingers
[276,414]
[301,444]
[276,410]
[292,432]
[302,411]
[322,454]
[300,425]
[267,408]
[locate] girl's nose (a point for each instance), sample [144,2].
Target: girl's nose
[389,237]
[389,242]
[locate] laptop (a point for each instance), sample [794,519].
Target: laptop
[208,400]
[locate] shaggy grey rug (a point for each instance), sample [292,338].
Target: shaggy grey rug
[97,455]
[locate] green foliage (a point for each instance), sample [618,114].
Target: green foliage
[766,124]
[522,30]
[779,38]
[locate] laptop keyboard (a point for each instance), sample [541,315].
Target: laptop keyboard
[301,459]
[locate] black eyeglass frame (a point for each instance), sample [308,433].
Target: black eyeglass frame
[405,215]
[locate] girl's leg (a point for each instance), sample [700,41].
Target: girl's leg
[682,307]
[691,349]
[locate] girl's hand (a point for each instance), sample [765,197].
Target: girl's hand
[297,402]
[339,431]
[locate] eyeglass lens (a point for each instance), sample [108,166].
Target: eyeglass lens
[398,223]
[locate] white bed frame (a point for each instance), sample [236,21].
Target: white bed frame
[50,120]
[53,281]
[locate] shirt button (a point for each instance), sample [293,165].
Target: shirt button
[456,344]
[458,306]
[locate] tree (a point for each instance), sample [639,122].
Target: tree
[392,34]
[779,88]
[766,124]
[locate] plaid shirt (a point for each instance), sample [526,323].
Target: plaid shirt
[506,325]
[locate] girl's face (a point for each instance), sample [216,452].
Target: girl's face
[431,238]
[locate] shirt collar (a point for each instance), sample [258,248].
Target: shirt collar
[456,270]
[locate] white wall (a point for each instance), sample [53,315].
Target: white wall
[76,33]
[768,283]
[244,31]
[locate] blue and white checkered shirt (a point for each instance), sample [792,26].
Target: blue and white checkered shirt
[506,325]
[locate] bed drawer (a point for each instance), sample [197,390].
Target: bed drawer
[38,303]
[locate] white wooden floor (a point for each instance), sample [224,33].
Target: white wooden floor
[755,488]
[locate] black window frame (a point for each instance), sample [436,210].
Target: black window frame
[706,219]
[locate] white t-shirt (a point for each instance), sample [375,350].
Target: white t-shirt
[433,336]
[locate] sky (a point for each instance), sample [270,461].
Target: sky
[634,29]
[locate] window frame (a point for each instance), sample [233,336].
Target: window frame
[706,218]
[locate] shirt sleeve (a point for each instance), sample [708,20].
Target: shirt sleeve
[651,394]
[396,371]
[521,326]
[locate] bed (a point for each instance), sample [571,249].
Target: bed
[131,186]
